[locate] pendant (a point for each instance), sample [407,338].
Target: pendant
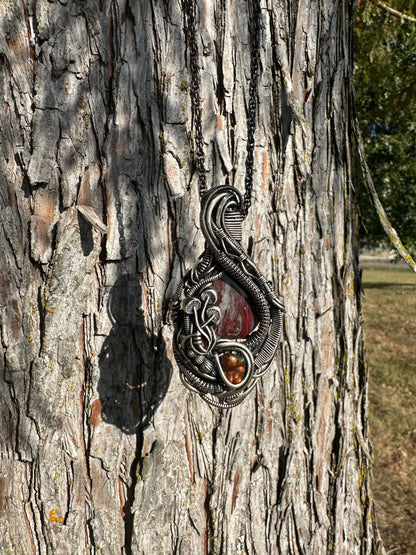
[227,317]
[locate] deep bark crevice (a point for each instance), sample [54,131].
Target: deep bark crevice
[135,471]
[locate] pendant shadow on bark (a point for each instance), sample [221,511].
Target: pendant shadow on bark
[135,371]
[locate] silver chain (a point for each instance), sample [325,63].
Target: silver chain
[190,32]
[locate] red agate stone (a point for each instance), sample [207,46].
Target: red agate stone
[238,317]
[234,367]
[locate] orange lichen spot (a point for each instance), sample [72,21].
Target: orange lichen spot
[55,517]
[122,498]
[236,486]
[95,417]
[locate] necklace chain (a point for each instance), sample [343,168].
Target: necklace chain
[252,105]
[195,94]
[190,31]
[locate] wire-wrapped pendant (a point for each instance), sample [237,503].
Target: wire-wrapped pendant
[227,317]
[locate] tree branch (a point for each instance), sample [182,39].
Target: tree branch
[392,11]
[388,228]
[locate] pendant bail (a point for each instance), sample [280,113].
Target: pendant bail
[233,224]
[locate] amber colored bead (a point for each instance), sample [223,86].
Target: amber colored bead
[234,367]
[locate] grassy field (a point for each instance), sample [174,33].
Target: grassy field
[390,327]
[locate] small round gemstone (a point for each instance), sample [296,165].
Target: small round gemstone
[234,367]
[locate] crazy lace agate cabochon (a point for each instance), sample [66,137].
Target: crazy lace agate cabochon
[238,316]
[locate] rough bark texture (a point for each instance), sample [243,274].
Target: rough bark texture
[102,448]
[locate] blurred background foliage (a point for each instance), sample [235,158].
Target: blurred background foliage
[385,84]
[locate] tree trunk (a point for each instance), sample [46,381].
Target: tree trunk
[103,450]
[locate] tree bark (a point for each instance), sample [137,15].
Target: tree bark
[102,448]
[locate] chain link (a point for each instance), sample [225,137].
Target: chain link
[190,32]
[252,104]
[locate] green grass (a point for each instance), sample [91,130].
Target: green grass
[390,329]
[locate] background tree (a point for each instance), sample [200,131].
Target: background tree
[385,80]
[102,449]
